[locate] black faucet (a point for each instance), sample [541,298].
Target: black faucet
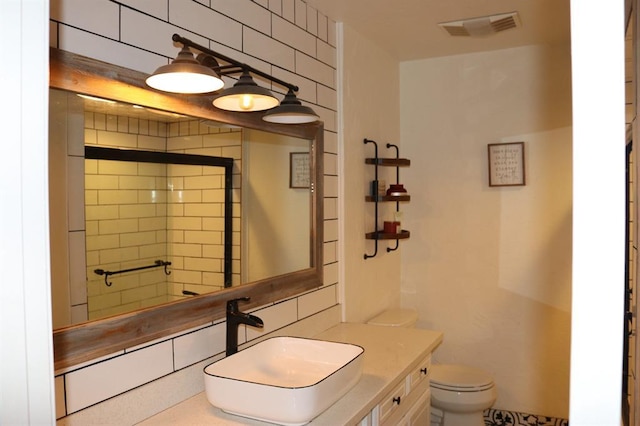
[234,319]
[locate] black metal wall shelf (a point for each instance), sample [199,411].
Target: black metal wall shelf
[389,162]
[381,198]
[396,162]
[381,235]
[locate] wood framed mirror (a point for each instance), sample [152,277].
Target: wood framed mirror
[82,342]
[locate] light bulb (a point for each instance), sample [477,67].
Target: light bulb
[246,102]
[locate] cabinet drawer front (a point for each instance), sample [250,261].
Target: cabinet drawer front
[392,401]
[420,373]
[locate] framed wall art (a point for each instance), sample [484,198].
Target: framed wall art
[506,164]
[298,170]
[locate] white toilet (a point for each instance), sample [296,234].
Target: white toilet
[459,393]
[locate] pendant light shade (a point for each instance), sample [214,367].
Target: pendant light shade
[245,96]
[291,111]
[204,73]
[185,75]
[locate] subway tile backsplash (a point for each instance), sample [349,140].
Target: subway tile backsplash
[275,317]
[286,38]
[97,382]
[312,303]
[91,383]
[193,347]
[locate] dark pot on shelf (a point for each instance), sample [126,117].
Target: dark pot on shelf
[396,189]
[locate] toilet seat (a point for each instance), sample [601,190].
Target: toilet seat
[460,378]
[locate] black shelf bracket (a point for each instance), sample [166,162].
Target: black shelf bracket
[375,252]
[390,145]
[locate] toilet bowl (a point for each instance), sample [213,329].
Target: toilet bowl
[459,393]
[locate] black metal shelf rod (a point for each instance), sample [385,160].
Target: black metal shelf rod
[375,145]
[390,145]
[156,264]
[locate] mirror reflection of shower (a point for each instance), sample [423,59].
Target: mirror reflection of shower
[125,215]
[150,208]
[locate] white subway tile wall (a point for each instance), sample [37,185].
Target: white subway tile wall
[330,230]
[289,10]
[274,317]
[191,348]
[117,375]
[138,213]
[330,209]
[330,164]
[286,38]
[301,13]
[313,302]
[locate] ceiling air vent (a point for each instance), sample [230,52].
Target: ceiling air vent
[482,26]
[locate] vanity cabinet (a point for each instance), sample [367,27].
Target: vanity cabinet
[408,403]
[391,404]
[376,196]
[420,412]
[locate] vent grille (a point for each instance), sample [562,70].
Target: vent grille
[482,26]
[504,24]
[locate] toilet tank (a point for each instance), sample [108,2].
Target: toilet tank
[396,318]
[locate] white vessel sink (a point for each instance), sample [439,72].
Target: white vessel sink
[283,380]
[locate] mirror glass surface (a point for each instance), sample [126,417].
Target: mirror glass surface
[142,213]
[276,217]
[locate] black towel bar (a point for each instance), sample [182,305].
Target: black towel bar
[156,264]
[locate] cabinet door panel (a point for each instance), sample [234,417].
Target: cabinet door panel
[392,401]
[420,412]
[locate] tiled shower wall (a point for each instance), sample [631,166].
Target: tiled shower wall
[122,234]
[285,38]
[137,213]
[197,208]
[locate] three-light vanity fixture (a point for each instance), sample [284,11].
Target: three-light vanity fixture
[203,74]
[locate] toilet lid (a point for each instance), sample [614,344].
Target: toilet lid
[462,377]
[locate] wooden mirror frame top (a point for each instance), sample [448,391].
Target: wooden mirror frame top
[80,343]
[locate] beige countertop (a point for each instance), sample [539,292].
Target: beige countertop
[390,354]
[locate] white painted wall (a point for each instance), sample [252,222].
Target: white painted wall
[370,109]
[490,266]
[598,212]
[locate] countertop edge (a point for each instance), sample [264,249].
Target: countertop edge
[435,338]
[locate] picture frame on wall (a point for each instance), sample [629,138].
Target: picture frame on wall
[506,164]
[299,170]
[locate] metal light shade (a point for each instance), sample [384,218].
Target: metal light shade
[185,75]
[245,96]
[291,111]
